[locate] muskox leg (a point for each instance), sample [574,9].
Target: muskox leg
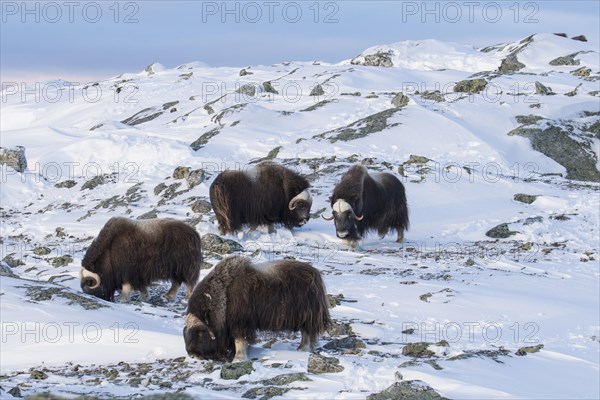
[125,291]
[400,238]
[241,350]
[144,294]
[188,290]
[270,228]
[382,233]
[173,290]
[308,342]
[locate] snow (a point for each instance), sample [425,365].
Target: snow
[449,281]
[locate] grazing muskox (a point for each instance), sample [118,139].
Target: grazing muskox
[131,254]
[362,202]
[238,298]
[267,194]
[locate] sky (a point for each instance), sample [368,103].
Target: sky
[89,40]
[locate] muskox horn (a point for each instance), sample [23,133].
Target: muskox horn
[94,277]
[303,195]
[359,218]
[327,218]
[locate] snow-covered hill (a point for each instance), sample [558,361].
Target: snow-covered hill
[485,270]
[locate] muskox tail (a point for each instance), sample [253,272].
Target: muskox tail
[220,199]
[101,244]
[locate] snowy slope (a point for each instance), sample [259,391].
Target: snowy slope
[118,142]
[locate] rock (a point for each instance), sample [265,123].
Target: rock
[317,91]
[434,95]
[565,60]
[163,396]
[594,128]
[528,119]
[244,72]
[248,89]
[415,159]
[265,392]
[285,379]
[348,343]
[379,59]
[58,262]
[554,142]
[146,115]
[150,69]
[15,392]
[470,85]
[37,375]
[14,157]
[363,127]
[12,262]
[582,72]
[500,232]
[215,244]
[580,38]
[159,188]
[418,349]
[181,172]
[201,206]
[268,87]
[561,34]
[400,100]
[533,220]
[340,329]
[152,214]
[94,182]
[203,140]
[236,370]
[316,106]
[5,270]
[529,349]
[65,184]
[542,89]
[169,105]
[318,364]
[525,198]
[407,390]
[510,64]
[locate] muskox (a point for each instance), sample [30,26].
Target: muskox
[131,254]
[362,202]
[237,298]
[267,194]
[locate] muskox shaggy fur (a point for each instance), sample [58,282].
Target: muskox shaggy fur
[267,194]
[238,298]
[362,202]
[131,254]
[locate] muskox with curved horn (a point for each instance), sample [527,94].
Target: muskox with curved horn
[131,254]
[362,202]
[267,194]
[238,298]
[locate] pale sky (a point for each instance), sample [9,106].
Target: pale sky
[89,40]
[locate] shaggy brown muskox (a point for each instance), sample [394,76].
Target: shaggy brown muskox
[131,254]
[362,202]
[238,298]
[267,194]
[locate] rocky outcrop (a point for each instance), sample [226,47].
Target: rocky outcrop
[14,157]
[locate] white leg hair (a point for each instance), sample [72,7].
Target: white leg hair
[241,350]
[125,291]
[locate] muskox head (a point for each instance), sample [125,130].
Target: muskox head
[91,283]
[299,207]
[345,220]
[200,341]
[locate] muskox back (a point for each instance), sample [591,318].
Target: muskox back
[261,195]
[237,298]
[137,253]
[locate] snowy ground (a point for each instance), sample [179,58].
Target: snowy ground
[476,300]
